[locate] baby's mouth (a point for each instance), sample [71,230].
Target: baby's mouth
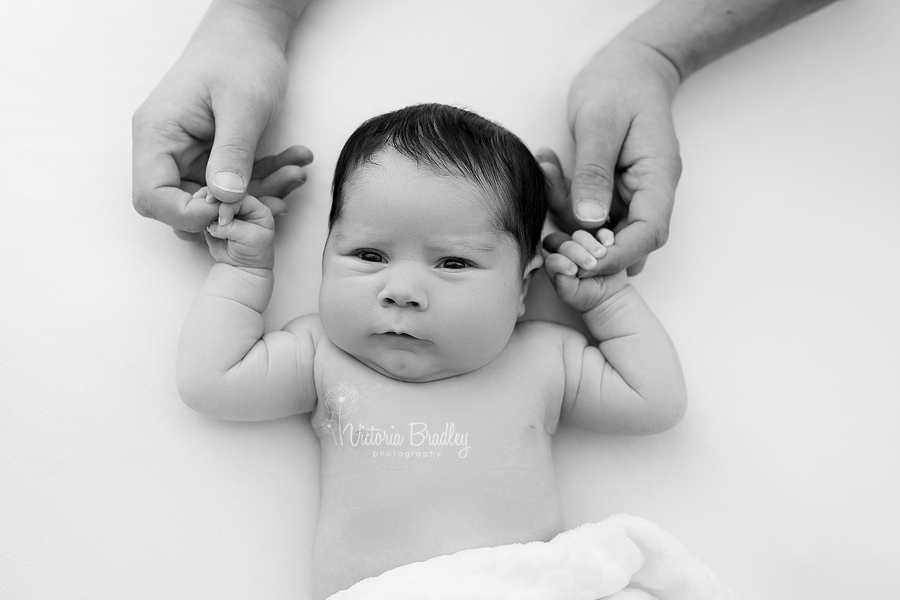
[400,335]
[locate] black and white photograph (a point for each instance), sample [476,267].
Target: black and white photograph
[474,300]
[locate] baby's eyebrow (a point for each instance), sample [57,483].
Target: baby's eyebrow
[466,245]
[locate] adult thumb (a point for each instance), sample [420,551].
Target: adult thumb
[239,125]
[596,155]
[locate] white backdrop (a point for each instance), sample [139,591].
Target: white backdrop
[779,286]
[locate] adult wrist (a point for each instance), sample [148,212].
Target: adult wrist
[268,22]
[633,50]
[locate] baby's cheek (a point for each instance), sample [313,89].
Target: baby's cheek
[336,310]
[482,330]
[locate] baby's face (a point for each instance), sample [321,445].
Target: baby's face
[416,281]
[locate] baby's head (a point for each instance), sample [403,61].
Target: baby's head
[434,230]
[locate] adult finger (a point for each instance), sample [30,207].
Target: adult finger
[637,267]
[280,183]
[239,125]
[558,202]
[649,211]
[646,230]
[156,191]
[275,204]
[598,141]
[633,244]
[553,241]
[295,155]
[196,236]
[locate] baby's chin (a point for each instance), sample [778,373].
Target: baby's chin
[410,372]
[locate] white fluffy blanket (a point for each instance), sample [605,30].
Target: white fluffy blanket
[620,558]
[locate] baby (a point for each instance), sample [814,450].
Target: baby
[434,407]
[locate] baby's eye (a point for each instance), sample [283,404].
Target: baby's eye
[455,263]
[369,256]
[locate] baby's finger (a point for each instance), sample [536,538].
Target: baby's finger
[238,232]
[561,272]
[606,237]
[590,243]
[578,254]
[216,246]
[204,194]
[557,264]
[227,212]
[295,155]
[253,211]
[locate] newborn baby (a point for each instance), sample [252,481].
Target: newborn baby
[434,407]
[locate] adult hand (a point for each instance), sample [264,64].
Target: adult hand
[201,126]
[627,162]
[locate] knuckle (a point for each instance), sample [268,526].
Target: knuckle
[593,173]
[660,236]
[140,204]
[569,247]
[584,238]
[142,116]
[237,148]
[677,164]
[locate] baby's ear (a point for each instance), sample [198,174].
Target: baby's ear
[536,263]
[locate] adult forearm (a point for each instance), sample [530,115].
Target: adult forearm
[693,33]
[273,20]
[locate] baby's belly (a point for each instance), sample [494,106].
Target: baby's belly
[378,513]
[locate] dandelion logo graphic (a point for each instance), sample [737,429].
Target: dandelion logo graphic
[341,401]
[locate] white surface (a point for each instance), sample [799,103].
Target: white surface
[779,285]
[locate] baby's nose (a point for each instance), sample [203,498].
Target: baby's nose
[404,293]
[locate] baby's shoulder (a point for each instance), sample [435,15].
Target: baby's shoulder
[325,353]
[308,325]
[549,340]
[545,333]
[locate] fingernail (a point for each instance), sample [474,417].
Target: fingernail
[590,211]
[221,219]
[210,199]
[200,193]
[590,262]
[228,181]
[606,237]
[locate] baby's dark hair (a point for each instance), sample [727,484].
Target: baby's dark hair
[456,142]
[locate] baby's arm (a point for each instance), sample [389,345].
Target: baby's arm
[226,367]
[632,382]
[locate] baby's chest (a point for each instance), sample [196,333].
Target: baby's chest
[491,421]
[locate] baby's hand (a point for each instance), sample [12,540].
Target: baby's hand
[273,179]
[571,266]
[244,235]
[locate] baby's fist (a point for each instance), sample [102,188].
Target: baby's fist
[243,235]
[571,266]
